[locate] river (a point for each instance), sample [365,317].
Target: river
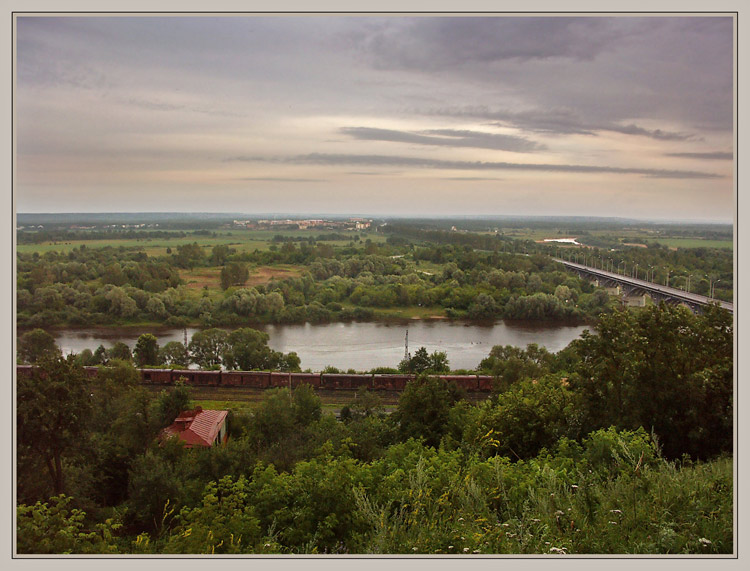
[362,346]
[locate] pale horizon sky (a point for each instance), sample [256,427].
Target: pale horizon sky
[551,116]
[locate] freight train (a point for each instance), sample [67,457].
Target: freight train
[274,379]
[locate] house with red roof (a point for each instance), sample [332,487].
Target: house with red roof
[199,427]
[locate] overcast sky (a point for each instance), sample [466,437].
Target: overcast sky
[604,116]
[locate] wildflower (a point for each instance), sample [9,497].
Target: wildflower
[558,550]
[267,545]
[476,551]
[704,542]
[618,512]
[413,548]
[466,549]
[506,525]
[546,543]
[559,513]
[613,522]
[574,487]
[535,520]
[450,547]
[460,519]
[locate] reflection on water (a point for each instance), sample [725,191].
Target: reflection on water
[363,346]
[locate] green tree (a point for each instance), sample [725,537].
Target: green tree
[174,353]
[119,351]
[422,362]
[36,345]
[234,273]
[53,406]
[511,364]
[146,350]
[189,255]
[290,363]
[225,522]
[206,347]
[219,254]
[247,349]
[531,415]
[664,369]
[423,409]
[172,402]
[54,527]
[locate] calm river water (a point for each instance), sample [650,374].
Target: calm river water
[363,346]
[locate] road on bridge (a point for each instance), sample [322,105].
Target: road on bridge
[648,286]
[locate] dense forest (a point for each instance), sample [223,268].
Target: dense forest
[620,443]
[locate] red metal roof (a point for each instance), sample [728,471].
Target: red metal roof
[197,427]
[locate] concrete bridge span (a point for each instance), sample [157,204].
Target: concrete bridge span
[634,286]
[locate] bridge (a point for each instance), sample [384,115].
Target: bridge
[634,286]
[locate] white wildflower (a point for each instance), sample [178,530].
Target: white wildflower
[466,549]
[705,542]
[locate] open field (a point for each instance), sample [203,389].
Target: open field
[264,274]
[240,240]
[198,278]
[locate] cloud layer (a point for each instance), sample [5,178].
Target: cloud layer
[600,115]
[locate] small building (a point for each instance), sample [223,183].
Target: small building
[199,427]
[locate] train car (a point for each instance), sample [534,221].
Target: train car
[231,378]
[197,378]
[280,380]
[156,376]
[312,379]
[467,382]
[256,379]
[390,382]
[345,381]
[485,383]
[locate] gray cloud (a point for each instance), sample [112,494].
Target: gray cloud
[446,138]
[715,156]
[443,43]
[556,121]
[418,162]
